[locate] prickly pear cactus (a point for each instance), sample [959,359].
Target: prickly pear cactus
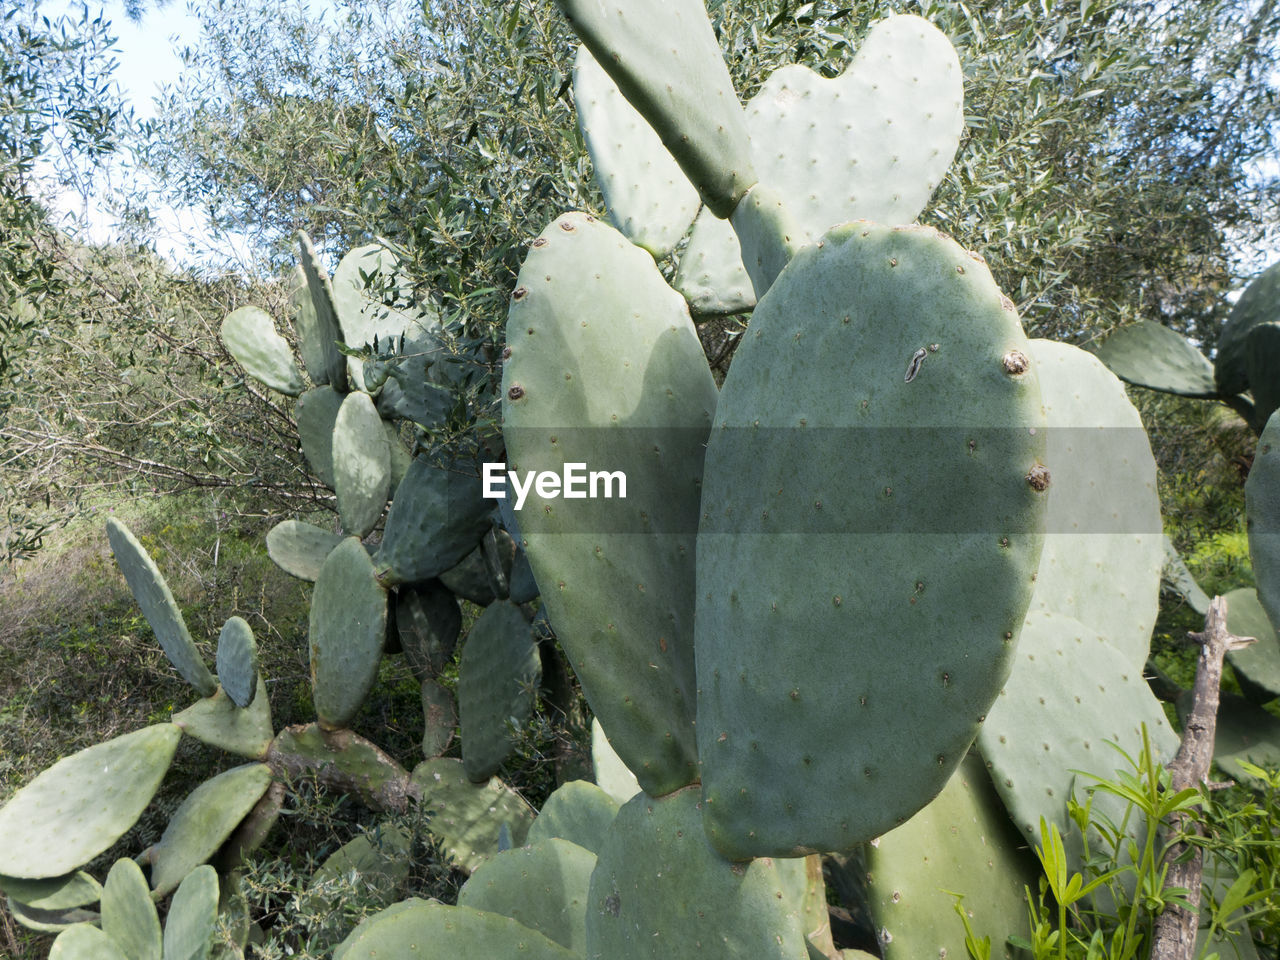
[885,545]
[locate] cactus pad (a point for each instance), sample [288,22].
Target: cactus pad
[543,887]
[428,620]
[218,722]
[328,333]
[316,413]
[438,514]
[1104,540]
[83,941]
[576,811]
[361,464]
[84,803]
[1151,355]
[660,890]
[192,922]
[380,860]
[907,444]
[1258,304]
[129,914]
[664,57]
[962,843]
[1256,666]
[606,369]
[238,662]
[343,761]
[1245,732]
[300,548]
[437,931]
[347,628]
[498,678]
[1262,503]
[439,718]
[203,821]
[1069,695]
[250,337]
[711,275]
[649,198]
[613,776]
[77,889]
[467,817]
[159,607]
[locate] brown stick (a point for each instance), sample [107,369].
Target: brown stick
[1174,937]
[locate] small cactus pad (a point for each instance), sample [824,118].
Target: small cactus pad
[343,761]
[1257,666]
[577,811]
[467,817]
[438,514]
[84,803]
[1260,303]
[159,607]
[961,843]
[659,888]
[307,327]
[439,718]
[711,275]
[664,57]
[348,624]
[606,370]
[428,620]
[471,579]
[1262,507]
[83,941]
[649,198]
[191,925]
[77,889]
[1178,578]
[328,333]
[543,887]
[300,548]
[1104,540]
[364,312]
[380,861]
[498,678]
[217,721]
[238,662]
[612,775]
[49,921]
[128,912]
[316,412]
[908,444]
[768,235]
[1151,355]
[361,464]
[250,337]
[203,821]
[437,931]
[1069,695]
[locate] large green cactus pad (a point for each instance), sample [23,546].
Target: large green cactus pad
[1104,540]
[84,803]
[1149,354]
[129,914]
[83,941]
[498,680]
[606,370]
[251,338]
[347,629]
[238,662]
[342,760]
[191,925]
[1069,695]
[380,861]
[437,931]
[664,57]
[300,548]
[218,722]
[361,464]
[159,607]
[328,333]
[203,821]
[438,514]
[467,817]
[1258,304]
[1262,507]
[543,887]
[648,196]
[961,843]
[577,811]
[659,890]
[861,586]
